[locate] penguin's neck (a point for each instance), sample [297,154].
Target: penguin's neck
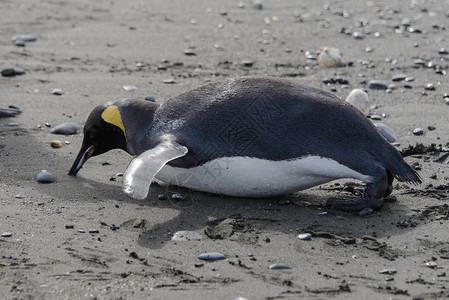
[139,118]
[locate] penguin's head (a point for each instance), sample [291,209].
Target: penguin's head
[103,131]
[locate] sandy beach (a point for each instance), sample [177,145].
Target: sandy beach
[82,238]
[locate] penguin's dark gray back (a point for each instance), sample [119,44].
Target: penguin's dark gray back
[273,119]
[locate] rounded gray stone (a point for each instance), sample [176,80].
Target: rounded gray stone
[279,267]
[387,132]
[66,128]
[45,177]
[212,256]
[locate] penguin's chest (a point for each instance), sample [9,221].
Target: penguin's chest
[254,177]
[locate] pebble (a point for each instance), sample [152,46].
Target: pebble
[66,128]
[420,62]
[13,124]
[150,98]
[358,35]
[94,231]
[431,128]
[186,236]
[376,117]
[330,57]
[57,92]
[429,87]
[6,234]
[25,38]
[130,88]
[45,177]
[247,63]
[56,144]
[189,52]
[162,197]
[198,265]
[19,43]
[279,267]
[386,132]
[388,271]
[377,85]
[408,79]
[81,231]
[341,80]
[359,99]
[258,5]
[443,51]
[21,40]
[389,278]
[212,256]
[19,196]
[177,196]
[366,212]
[11,72]
[305,236]
[399,77]
[418,131]
[431,264]
[168,81]
[431,64]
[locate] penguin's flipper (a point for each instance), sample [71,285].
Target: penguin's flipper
[141,171]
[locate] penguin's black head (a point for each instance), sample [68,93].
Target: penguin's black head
[103,131]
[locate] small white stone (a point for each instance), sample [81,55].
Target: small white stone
[305,236]
[418,131]
[129,88]
[330,57]
[57,92]
[168,81]
[359,99]
[186,236]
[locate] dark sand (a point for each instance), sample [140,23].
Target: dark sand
[90,49]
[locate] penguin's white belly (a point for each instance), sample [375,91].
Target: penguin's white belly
[253,177]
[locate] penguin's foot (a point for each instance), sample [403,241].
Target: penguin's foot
[373,197]
[356,204]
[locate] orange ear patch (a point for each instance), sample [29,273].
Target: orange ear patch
[112,116]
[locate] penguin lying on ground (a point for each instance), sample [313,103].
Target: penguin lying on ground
[247,137]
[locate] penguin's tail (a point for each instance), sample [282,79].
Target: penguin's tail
[395,163]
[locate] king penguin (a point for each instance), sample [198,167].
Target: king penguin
[247,137]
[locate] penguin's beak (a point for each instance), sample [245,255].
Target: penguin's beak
[82,157]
